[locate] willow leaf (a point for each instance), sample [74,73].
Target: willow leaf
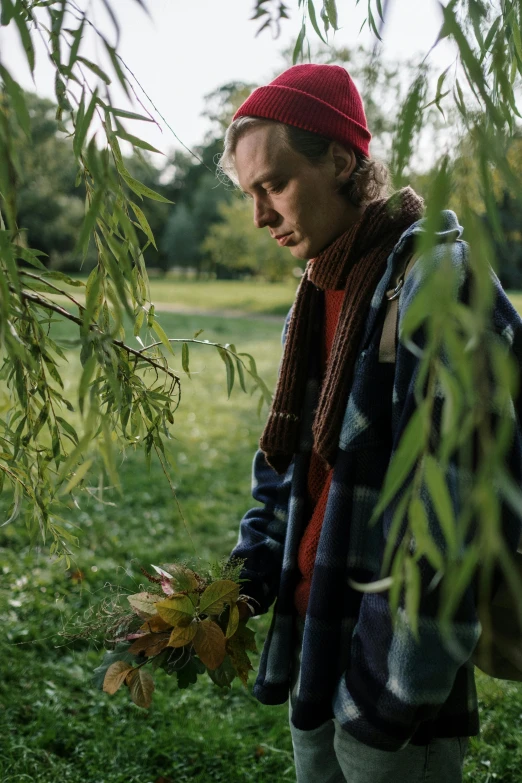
[17,98]
[413,594]
[95,69]
[489,38]
[77,476]
[229,365]
[410,446]
[144,223]
[8,11]
[23,28]
[313,18]
[143,190]
[75,46]
[111,51]
[298,48]
[440,497]
[129,115]
[163,337]
[330,7]
[89,222]
[185,358]
[135,141]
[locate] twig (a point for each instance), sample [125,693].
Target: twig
[198,342]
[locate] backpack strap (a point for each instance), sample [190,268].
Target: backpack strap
[388,344]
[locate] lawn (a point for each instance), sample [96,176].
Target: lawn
[230,296]
[56,727]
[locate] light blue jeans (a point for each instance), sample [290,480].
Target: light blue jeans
[329,754]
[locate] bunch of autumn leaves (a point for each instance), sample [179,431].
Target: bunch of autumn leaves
[199,626]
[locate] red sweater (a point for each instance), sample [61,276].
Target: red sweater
[319,476]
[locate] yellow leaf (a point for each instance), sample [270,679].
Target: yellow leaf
[233,621]
[176,610]
[141,687]
[115,676]
[209,643]
[181,636]
[217,596]
[143,604]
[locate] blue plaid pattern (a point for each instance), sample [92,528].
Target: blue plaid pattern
[384,686]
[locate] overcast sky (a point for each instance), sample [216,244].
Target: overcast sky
[190,47]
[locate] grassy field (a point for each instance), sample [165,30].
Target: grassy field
[229,296]
[55,726]
[252,297]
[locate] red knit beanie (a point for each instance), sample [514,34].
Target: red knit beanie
[318,98]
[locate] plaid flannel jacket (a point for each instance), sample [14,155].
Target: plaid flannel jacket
[385,687]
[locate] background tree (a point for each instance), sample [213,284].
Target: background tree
[236,244]
[50,206]
[195,189]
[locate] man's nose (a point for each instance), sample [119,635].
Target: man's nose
[264,214]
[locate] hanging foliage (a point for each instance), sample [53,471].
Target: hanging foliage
[127,394]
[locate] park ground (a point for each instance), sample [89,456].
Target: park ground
[55,725]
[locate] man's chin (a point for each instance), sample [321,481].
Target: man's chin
[300,251]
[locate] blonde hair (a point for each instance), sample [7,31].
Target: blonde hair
[370,180]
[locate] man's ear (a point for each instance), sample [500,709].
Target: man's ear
[344,162]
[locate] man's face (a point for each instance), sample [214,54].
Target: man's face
[297,200]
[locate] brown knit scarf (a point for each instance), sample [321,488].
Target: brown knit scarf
[354,262]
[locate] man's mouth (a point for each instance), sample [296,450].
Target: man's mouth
[282,239]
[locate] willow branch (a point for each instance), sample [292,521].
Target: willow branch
[197,342]
[93,327]
[54,287]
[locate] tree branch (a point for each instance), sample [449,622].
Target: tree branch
[198,342]
[93,327]
[55,287]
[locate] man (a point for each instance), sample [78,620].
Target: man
[368,701]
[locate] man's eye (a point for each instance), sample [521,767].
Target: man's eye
[275,188]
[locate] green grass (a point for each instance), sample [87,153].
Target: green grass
[234,296]
[243,296]
[55,726]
